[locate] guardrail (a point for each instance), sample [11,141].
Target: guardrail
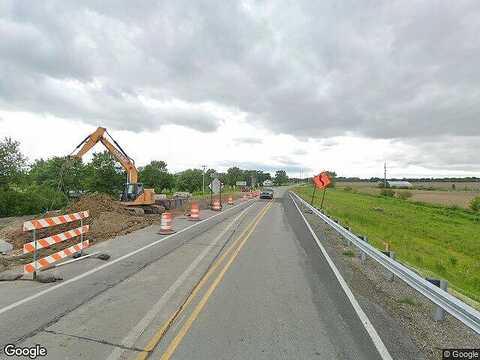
[463,312]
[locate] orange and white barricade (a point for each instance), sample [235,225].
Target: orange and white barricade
[216,206]
[166,224]
[194,212]
[36,245]
[230,200]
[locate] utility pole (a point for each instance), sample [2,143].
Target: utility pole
[385,175]
[203,179]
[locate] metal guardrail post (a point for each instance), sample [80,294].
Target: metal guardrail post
[439,314]
[347,241]
[363,255]
[388,274]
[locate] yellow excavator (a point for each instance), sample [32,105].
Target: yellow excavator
[134,196]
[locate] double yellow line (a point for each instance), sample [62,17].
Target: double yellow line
[234,250]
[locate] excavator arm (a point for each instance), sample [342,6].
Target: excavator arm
[134,195]
[117,152]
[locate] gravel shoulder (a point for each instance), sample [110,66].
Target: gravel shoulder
[392,306]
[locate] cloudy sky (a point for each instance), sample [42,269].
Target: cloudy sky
[299,85]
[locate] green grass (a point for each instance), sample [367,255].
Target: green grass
[438,241]
[407,300]
[348,253]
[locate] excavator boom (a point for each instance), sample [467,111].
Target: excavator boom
[134,193]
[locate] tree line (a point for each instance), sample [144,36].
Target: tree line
[30,188]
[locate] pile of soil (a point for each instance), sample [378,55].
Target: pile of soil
[108,218]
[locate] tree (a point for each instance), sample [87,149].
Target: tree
[190,180]
[233,175]
[102,175]
[64,174]
[12,162]
[155,175]
[281,177]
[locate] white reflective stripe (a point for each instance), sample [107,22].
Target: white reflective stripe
[53,221]
[46,242]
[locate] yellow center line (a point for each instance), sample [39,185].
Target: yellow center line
[188,324]
[166,325]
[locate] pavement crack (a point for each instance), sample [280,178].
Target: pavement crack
[99,341]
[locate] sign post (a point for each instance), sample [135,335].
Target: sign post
[321,181]
[215,188]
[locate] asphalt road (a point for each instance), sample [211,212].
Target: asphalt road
[249,283]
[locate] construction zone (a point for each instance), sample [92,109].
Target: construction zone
[108,217]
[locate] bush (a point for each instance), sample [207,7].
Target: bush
[475,204]
[347,188]
[32,200]
[404,195]
[387,192]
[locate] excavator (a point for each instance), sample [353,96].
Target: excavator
[134,196]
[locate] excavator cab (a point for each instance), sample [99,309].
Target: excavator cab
[132,192]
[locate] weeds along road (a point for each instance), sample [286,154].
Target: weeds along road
[250,283]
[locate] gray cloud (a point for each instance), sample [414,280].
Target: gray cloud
[314,69]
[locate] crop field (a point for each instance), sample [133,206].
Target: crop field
[438,241]
[420,185]
[441,194]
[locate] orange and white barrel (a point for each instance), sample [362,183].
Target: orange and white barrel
[216,205]
[230,200]
[166,224]
[194,212]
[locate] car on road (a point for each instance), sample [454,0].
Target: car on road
[266,194]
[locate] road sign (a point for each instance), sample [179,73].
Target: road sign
[241,183]
[216,185]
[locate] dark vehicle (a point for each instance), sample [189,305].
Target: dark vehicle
[266,194]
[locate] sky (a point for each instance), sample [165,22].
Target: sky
[297,85]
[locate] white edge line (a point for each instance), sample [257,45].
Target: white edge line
[377,341]
[101,267]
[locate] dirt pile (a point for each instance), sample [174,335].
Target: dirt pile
[108,218]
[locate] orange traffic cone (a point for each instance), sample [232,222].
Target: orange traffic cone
[166,224]
[230,200]
[216,205]
[194,212]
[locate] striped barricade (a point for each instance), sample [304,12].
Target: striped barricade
[49,260]
[54,239]
[53,221]
[35,245]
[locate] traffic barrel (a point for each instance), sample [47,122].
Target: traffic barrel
[194,212]
[216,205]
[230,200]
[166,224]
[244,197]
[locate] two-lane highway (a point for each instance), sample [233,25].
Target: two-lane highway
[250,283]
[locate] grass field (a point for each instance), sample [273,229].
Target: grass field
[436,240]
[441,195]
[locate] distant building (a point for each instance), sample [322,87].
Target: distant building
[399,184]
